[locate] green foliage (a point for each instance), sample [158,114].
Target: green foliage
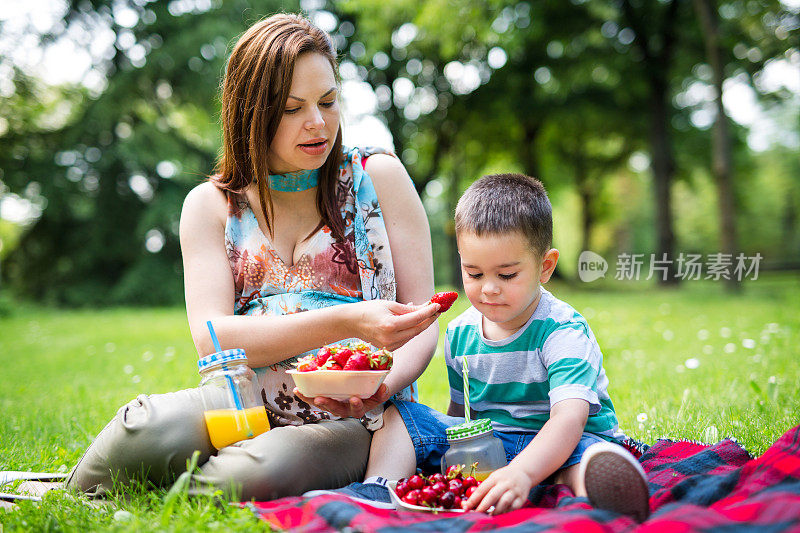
[115,167]
[570,103]
[573,101]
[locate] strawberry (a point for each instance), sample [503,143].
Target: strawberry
[341,356]
[323,354]
[362,347]
[381,359]
[444,299]
[333,365]
[307,364]
[357,361]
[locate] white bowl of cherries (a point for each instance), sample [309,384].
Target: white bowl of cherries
[434,493]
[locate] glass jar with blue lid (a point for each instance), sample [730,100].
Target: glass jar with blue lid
[231,406]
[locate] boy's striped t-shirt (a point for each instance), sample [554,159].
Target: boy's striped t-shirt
[515,381]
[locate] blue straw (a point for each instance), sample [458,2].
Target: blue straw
[236,400]
[214,338]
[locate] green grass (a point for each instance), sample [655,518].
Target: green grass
[65,373]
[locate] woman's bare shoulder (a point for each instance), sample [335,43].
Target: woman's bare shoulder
[205,202]
[391,180]
[206,196]
[383,163]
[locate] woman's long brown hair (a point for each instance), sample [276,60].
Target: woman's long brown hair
[254,93]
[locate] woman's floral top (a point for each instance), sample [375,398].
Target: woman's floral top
[327,273]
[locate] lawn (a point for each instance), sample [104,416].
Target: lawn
[694,363]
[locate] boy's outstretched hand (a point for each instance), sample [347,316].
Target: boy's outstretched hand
[506,489]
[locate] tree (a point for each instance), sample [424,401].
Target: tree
[721,151]
[655,28]
[115,170]
[756,29]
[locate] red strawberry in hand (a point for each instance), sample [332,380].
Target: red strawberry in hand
[381,359]
[342,356]
[307,364]
[444,299]
[357,361]
[323,354]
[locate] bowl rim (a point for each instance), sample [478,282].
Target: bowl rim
[418,508]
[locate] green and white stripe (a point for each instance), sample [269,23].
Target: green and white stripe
[515,381]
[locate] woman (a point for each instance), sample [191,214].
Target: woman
[291,222]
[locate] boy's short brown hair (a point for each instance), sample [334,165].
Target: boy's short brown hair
[503,203]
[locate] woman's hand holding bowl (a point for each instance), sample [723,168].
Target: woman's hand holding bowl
[354,407]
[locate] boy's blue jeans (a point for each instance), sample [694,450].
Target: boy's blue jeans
[426,427]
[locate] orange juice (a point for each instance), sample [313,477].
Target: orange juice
[226,426]
[480,476]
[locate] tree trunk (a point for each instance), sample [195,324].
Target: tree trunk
[587,196]
[658,53]
[587,217]
[453,194]
[663,171]
[722,157]
[530,161]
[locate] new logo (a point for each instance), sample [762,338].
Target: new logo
[591,266]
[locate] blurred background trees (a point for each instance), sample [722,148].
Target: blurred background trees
[658,127]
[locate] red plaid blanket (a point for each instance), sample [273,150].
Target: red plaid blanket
[693,487]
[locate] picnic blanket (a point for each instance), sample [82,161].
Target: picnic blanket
[693,487]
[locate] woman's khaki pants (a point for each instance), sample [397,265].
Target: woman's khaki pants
[151,438]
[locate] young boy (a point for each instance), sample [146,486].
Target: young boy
[535,370]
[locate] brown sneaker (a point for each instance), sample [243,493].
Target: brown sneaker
[615,481]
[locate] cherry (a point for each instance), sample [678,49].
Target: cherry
[436,478]
[428,497]
[458,502]
[415,482]
[412,497]
[469,491]
[439,487]
[447,500]
[470,481]
[454,472]
[456,486]
[402,488]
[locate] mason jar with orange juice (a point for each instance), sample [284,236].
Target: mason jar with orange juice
[232,409]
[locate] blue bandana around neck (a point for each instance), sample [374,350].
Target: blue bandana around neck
[300,180]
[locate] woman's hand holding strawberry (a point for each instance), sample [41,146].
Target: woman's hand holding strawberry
[392,324]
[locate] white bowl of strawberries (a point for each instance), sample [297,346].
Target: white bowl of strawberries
[434,493]
[340,371]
